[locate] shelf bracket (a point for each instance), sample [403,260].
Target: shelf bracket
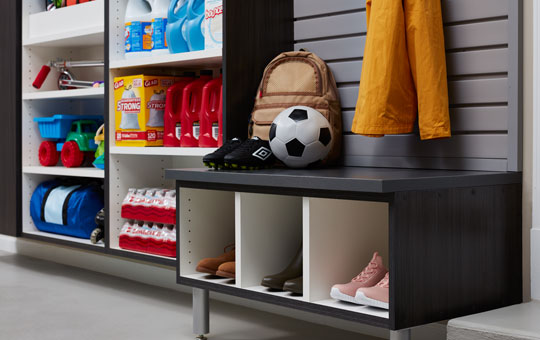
[201,313]
[403,334]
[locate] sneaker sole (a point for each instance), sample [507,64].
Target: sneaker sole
[362,299]
[338,295]
[228,275]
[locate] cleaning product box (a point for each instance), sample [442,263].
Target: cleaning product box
[139,108]
[213,24]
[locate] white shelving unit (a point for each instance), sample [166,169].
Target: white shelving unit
[92,93]
[72,33]
[197,59]
[75,26]
[161,151]
[140,167]
[63,171]
[267,231]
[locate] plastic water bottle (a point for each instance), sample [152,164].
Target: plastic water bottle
[138,29]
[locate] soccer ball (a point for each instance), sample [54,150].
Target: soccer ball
[300,136]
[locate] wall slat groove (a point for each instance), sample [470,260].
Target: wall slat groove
[478,63]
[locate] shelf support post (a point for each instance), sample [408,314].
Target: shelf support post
[201,313]
[403,334]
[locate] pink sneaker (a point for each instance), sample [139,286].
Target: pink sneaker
[375,296]
[369,277]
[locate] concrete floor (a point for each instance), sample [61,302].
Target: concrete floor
[43,300]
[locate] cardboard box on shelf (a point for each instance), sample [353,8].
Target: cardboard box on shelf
[139,107]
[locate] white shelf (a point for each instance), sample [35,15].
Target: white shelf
[146,254]
[160,151]
[206,58]
[100,244]
[63,171]
[380,313]
[91,93]
[91,36]
[212,279]
[73,26]
[283,294]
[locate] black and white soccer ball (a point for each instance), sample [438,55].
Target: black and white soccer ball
[300,136]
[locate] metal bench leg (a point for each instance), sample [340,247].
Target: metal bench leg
[201,313]
[404,334]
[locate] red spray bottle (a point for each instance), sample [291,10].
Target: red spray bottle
[173,107]
[191,109]
[211,97]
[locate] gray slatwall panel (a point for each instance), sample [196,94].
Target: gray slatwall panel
[480,164]
[479,86]
[459,64]
[494,118]
[355,23]
[461,92]
[351,23]
[464,10]
[467,146]
[305,8]
[475,35]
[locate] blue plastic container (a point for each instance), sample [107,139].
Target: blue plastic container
[175,22]
[58,126]
[193,27]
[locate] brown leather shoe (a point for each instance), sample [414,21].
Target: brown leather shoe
[295,286]
[293,271]
[211,265]
[228,269]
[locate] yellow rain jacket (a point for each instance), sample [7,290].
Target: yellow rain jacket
[404,70]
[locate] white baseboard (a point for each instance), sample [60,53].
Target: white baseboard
[166,278]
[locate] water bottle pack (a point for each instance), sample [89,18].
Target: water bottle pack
[149,238]
[150,204]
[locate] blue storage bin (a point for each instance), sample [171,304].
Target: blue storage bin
[58,126]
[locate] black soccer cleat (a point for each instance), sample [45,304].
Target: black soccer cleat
[216,159]
[253,154]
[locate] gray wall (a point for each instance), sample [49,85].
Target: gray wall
[483,48]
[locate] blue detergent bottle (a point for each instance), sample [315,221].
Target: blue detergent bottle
[176,18]
[193,27]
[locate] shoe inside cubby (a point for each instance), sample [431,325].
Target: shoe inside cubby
[269,237]
[207,230]
[340,238]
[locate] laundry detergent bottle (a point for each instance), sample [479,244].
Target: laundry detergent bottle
[176,18]
[193,27]
[173,107]
[191,110]
[220,118]
[160,9]
[138,29]
[211,95]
